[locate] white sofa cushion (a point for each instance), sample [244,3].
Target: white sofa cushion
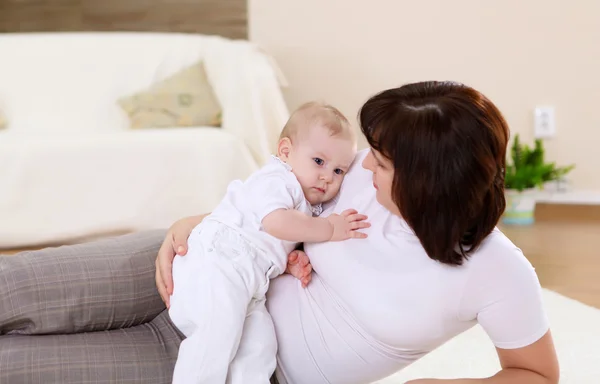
[71,167]
[62,188]
[71,82]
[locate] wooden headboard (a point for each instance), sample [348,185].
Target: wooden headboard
[228,18]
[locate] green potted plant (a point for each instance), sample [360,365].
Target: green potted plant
[525,175]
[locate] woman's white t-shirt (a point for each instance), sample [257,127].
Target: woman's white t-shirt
[376,305]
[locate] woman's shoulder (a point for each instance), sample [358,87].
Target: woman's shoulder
[497,269]
[497,253]
[354,182]
[357,175]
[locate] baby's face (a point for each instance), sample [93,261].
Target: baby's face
[320,162]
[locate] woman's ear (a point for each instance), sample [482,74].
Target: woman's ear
[284,148]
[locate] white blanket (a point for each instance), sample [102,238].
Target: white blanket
[55,189]
[70,82]
[71,168]
[245,81]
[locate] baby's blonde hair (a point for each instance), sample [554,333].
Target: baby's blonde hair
[316,113]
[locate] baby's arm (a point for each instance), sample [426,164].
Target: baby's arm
[293,225]
[274,197]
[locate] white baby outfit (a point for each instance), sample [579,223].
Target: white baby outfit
[218,301]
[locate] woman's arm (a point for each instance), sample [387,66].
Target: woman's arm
[534,364]
[504,295]
[175,243]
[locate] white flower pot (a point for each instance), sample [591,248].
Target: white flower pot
[520,207]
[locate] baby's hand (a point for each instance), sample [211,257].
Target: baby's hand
[346,224]
[299,266]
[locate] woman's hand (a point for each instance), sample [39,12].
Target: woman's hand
[175,243]
[299,266]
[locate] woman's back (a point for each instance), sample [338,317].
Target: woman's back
[375,305]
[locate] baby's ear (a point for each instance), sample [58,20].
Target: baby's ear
[283,148]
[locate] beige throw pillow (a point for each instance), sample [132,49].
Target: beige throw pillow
[184,99]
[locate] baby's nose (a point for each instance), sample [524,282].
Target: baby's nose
[327,176]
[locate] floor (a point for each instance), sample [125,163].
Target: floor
[564,247]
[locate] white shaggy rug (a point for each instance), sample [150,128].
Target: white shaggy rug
[575,328]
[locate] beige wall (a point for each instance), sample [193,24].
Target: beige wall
[519,53]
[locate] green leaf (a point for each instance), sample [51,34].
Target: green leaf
[528,168]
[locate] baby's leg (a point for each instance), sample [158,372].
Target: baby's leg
[208,305]
[255,360]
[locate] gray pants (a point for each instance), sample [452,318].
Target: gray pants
[86,313]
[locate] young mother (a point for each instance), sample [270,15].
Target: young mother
[433,265]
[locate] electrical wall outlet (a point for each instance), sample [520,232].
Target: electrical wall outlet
[544,125]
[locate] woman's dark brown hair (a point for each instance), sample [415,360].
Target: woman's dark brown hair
[447,143]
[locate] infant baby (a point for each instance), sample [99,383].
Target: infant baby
[218,301]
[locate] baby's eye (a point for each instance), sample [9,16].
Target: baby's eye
[318,161]
[338,171]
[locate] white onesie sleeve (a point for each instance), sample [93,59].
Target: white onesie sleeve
[504,295]
[276,189]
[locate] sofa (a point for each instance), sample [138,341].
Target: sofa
[114,132]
